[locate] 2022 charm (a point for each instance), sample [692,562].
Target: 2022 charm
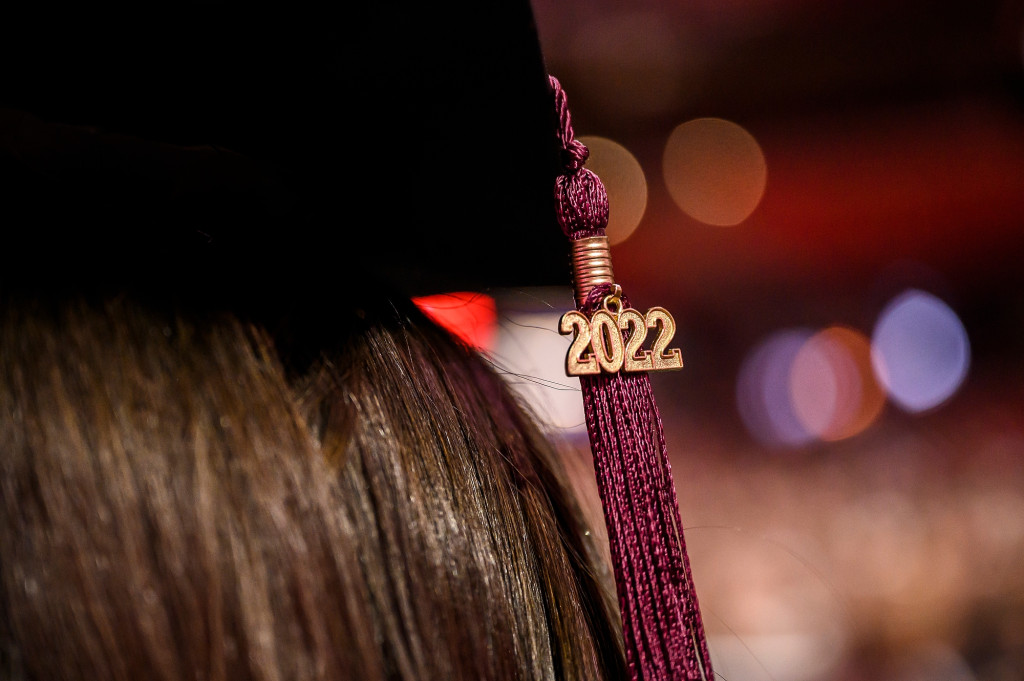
[613,340]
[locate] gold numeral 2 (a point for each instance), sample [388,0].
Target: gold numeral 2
[580,360]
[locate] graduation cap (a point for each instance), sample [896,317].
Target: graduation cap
[263,157]
[283,148]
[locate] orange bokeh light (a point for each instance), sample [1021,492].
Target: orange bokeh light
[834,390]
[714,170]
[624,180]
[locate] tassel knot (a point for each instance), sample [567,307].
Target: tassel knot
[575,156]
[582,204]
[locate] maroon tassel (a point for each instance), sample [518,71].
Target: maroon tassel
[661,623]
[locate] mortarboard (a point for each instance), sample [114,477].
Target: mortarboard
[268,158]
[406,140]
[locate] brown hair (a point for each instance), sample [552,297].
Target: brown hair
[194,496]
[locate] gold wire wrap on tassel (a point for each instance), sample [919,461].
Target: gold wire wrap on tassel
[591,265]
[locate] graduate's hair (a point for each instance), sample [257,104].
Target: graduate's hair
[199,495]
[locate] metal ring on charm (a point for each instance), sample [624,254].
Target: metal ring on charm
[612,302]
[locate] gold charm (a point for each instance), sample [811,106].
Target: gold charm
[613,339]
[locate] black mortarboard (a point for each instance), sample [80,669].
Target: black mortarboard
[282,149]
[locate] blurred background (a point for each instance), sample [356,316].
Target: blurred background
[829,197]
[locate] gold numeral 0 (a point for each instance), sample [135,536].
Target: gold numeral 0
[606,340]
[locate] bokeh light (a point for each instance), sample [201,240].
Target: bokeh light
[714,170]
[625,182]
[834,391]
[763,394]
[919,350]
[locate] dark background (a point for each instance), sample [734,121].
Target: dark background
[893,134]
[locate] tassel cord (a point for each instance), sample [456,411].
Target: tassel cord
[663,634]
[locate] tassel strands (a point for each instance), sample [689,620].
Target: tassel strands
[662,629]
